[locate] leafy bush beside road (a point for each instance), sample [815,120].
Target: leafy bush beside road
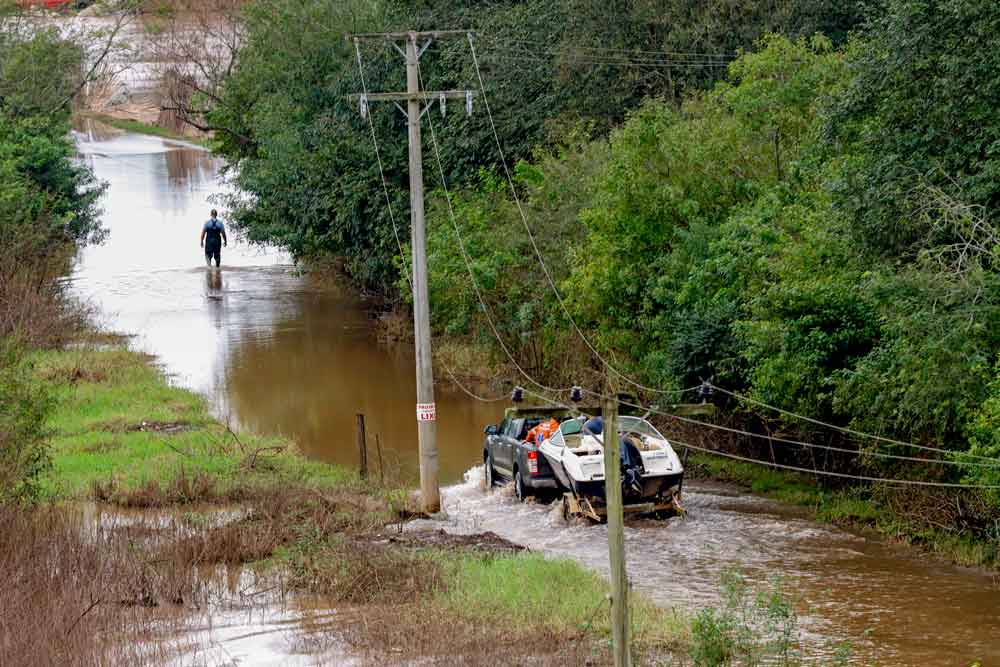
[48,204]
[25,406]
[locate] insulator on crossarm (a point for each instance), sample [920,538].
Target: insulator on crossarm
[363,106]
[517,396]
[468,103]
[706,391]
[576,394]
[444,104]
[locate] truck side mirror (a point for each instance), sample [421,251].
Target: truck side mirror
[491,430]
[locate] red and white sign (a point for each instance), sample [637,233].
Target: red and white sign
[426,412]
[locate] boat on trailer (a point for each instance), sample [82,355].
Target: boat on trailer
[652,473]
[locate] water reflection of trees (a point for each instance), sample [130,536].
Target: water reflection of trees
[190,167]
[309,376]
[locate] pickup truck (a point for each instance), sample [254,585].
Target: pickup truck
[507,457]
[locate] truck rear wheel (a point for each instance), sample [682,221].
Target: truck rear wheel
[519,489]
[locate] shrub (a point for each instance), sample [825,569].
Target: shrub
[25,404]
[752,628]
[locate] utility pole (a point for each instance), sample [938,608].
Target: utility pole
[616,532]
[426,410]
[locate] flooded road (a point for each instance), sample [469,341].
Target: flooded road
[280,353]
[895,607]
[275,352]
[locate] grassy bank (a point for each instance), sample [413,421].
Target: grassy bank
[123,436]
[915,517]
[120,424]
[130,125]
[557,593]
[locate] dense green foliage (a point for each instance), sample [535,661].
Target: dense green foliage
[25,405]
[813,224]
[303,158]
[733,238]
[41,189]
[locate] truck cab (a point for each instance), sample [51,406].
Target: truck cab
[507,457]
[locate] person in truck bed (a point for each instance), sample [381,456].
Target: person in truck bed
[544,430]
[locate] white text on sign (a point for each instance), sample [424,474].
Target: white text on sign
[426,412]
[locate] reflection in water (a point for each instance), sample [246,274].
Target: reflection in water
[286,354]
[275,352]
[213,284]
[317,368]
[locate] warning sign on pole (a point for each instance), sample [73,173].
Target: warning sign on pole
[426,412]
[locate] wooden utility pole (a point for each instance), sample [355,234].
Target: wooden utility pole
[616,533]
[414,98]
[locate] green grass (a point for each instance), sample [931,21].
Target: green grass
[105,395]
[554,593]
[145,128]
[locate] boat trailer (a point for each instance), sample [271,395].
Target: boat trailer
[595,509]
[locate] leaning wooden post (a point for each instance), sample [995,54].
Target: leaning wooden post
[362,446]
[378,450]
[616,533]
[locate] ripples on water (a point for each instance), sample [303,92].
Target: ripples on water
[895,607]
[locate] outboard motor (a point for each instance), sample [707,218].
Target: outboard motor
[632,468]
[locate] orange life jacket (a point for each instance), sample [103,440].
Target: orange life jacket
[543,431]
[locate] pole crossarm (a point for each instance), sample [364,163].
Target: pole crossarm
[423,95]
[394,36]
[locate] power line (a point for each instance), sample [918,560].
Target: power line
[584,337]
[808,471]
[842,475]
[395,227]
[468,262]
[531,236]
[882,455]
[842,429]
[466,390]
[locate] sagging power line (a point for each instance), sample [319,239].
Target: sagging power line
[531,380]
[531,237]
[415,98]
[579,332]
[395,227]
[772,464]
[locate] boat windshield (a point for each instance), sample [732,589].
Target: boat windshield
[639,426]
[571,427]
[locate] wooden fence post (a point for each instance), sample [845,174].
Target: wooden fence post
[362,446]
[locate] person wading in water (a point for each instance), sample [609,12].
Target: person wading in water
[213,238]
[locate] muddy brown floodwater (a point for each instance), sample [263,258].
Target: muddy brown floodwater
[276,352]
[282,354]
